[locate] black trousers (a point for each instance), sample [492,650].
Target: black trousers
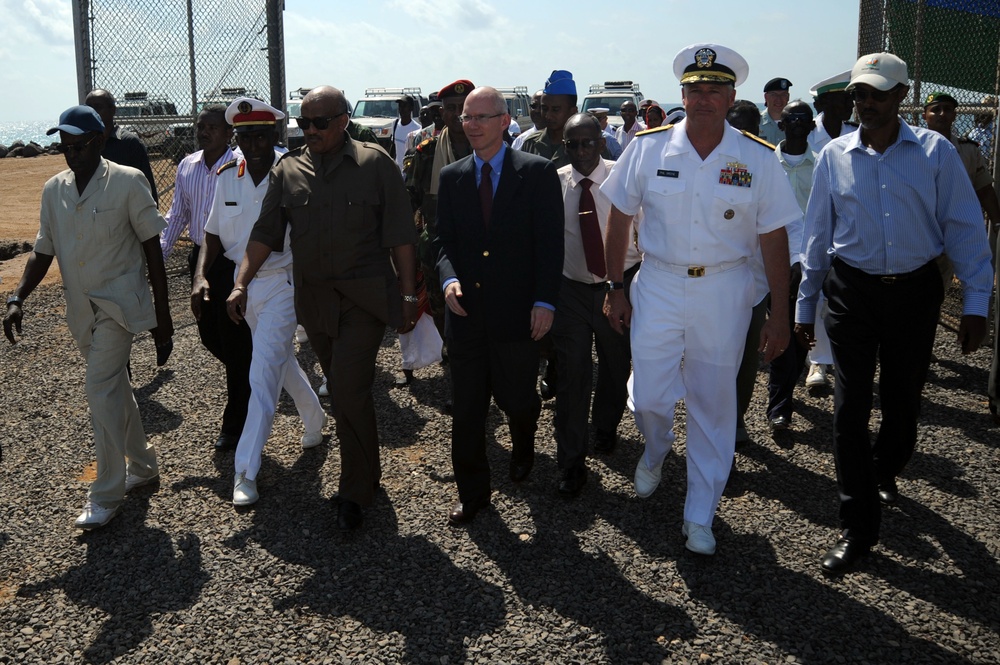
[890,323]
[230,343]
[786,368]
[506,371]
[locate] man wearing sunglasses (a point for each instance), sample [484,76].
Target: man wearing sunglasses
[99,219]
[888,199]
[343,206]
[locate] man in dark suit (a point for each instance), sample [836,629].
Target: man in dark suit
[500,243]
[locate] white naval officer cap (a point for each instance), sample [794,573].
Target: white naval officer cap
[710,63]
[247,114]
[836,83]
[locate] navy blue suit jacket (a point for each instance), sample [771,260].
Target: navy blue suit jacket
[514,263]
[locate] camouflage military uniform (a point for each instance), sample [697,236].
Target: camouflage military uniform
[361,133]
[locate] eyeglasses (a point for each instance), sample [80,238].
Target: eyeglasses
[797,120]
[586,144]
[465,119]
[862,95]
[321,123]
[75,148]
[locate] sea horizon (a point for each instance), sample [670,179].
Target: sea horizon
[27,132]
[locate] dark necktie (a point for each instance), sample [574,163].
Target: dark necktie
[486,194]
[590,231]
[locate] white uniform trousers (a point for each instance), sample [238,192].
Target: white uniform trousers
[688,335]
[114,413]
[271,316]
[822,352]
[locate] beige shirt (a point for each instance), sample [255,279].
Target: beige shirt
[96,238]
[344,212]
[972,160]
[574,259]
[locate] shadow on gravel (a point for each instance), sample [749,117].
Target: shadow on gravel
[127,563]
[388,582]
[941,472]
[156,418]
[808,618]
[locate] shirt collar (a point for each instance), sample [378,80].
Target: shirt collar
[597,176]
[905,134]
[496,162]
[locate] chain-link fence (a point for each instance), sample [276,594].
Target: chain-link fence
[165,60]
[950,46]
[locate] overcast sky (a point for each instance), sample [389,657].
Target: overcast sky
[429,43]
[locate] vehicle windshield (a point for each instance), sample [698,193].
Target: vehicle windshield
[294,109]
[375,108]
[611,102]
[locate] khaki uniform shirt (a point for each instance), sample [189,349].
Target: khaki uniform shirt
[96,238]
[344,211]
[972,160]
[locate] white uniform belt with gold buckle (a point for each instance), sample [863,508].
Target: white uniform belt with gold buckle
[693,271]
[272,271]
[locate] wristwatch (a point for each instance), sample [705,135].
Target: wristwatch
[15,300]
[412,299]
[613,286]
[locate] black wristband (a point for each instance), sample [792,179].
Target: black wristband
[613,286]
[15,300]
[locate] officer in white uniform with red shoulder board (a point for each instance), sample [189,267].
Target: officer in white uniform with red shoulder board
[710,197]
[268,303]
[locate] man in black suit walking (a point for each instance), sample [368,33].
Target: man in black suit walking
[500,244]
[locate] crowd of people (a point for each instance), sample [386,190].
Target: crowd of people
[680,248]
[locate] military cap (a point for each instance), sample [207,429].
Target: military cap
[459,88]
[434,104]
[560,82]
[774,85]
[78,120]
[936,97]
[599,112]
[710,63]
[882,71]
[674,116]
[247,114]
[836,83]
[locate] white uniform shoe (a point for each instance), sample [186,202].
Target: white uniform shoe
[300,335]
[646,479]
[323,390]
[244,490]
[94,515]
[132,481]
[816,378]
[699,538]
[313,439]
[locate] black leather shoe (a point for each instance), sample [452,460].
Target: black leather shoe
[404,379]
[464,513]
[779,423]
[519,470]
[841,557]
[348,515]
[888,493]
[547,389]
[605,442]
[571,481]
[227,441]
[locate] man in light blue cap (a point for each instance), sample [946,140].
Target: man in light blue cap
[558,104]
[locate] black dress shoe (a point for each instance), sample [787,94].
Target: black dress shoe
[888,493]
[545,390]
[227,441]
[519,470]
[571,481]
[605,442]
[841,557]
[464,513]
[779,423]
[404,379]
[348,515]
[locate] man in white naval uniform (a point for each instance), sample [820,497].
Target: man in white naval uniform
[270,310]
[711,197]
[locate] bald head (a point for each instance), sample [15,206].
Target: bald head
[103,102]
[328,95]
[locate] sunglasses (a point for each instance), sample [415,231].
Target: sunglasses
[797,120]
[862,95]
[582,143]
[321,123]
[76,147]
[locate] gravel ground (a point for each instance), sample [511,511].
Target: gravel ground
[181,577]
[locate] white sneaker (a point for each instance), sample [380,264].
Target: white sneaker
[323,390]
[94,515]
[699,538]
[646,480]
[244,490]
[817,377]
[300,335]
[313,439]
[132,480]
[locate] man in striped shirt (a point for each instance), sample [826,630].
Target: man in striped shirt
[194,191]
[889,199]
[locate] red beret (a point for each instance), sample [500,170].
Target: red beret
[459,88]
